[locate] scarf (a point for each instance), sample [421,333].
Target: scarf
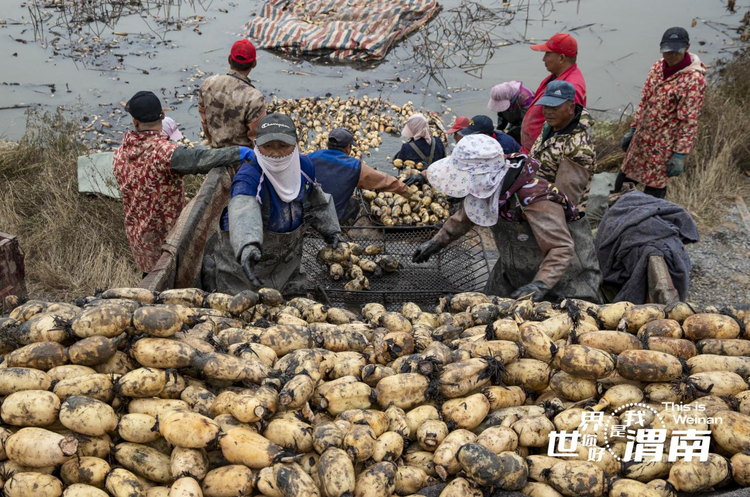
[527,190]
[482,205]
[474,172]
[671,71]
[417,127]
[284,173]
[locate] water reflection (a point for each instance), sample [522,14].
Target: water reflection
[92,20]
[466,36]
[463,37]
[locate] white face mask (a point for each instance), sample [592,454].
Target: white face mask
[284,173]
[277,163]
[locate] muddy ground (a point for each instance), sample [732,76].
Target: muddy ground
[721,262]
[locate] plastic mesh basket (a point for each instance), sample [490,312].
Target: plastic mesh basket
[460,267]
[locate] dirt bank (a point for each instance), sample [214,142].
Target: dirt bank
[721,263]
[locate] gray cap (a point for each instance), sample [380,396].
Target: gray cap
[557,93]
[340,138]
[276,127]
[675,40]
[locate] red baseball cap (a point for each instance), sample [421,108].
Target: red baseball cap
[561,43]
[460,123]
[243,52]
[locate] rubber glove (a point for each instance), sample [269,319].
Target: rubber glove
[676,165]
[425,251]
[536,289]
[625,142]
[246,154]
[333,240]
[415,180]
[250,257]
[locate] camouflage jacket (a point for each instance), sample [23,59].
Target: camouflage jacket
[152,194]
[230,109]
[575,144]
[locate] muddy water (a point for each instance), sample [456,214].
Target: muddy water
[618,42]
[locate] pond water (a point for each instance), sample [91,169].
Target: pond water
[618,42]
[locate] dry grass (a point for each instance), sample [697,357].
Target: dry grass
[713,176]
[714,172]
[74,243]
[607,136]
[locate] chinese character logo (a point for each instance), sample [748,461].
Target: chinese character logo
[642,430]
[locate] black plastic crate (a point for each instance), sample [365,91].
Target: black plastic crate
[460,267]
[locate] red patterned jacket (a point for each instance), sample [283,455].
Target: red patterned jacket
[666,121]
[152,194]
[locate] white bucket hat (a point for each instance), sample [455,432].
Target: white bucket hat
[474,172]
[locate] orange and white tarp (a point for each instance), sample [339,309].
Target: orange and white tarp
[345,30]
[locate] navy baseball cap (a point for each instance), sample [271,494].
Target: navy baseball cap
[276,127]
[478,125]
[144,106]
[557,93]
[340,137]
[675,40]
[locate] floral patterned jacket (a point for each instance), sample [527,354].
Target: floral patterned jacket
[666,121]
[152,194]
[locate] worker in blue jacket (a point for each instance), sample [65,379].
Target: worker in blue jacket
[483,125]
[272,196]
[339,174]
[422,146]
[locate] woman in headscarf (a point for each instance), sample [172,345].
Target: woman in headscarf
[272,195]
[170,130]
[510,100]
[545,247]
[422,146]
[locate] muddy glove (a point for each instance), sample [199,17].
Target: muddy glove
[536,289]
[186,160]
[320,213]
[246,233]
[676,165]
[415,180]
[426,250]
[625,142]
[250,257]
[332,240]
